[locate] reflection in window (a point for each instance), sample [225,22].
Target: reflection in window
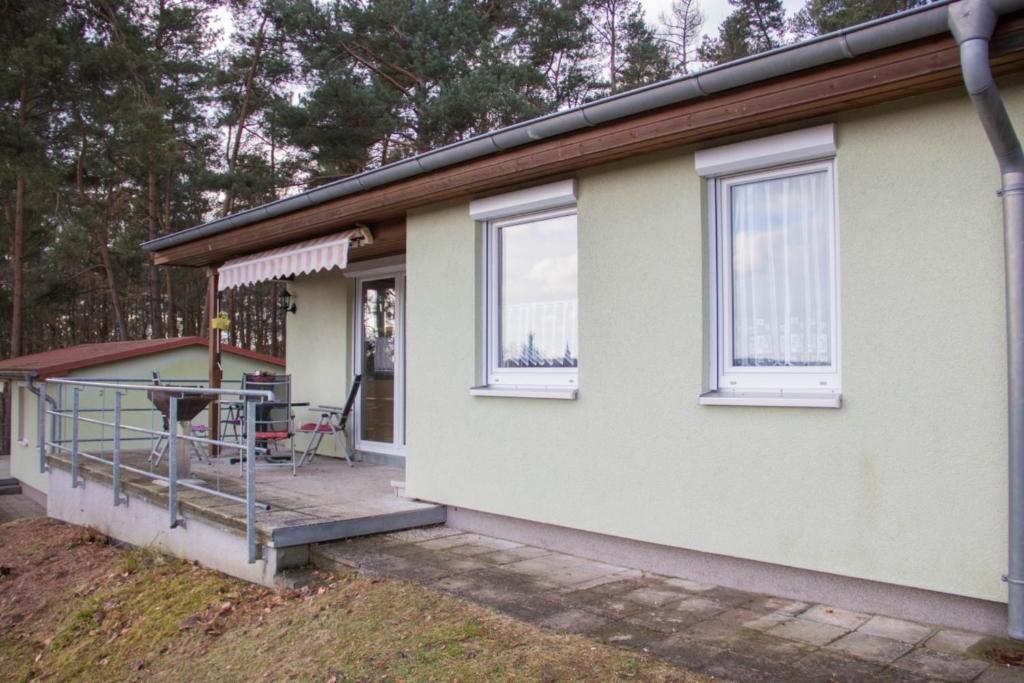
[379,301]
[538,294]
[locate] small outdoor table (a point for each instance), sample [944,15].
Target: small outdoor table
[189,406]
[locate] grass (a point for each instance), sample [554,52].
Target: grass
[144,616]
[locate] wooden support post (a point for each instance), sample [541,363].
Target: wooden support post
[213,347]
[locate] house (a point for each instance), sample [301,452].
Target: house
[182,359]
[745,326]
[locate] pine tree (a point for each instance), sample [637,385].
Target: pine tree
[645,58]
[555,38]
[753,26]
[818,17]
[33,36]
[631,53]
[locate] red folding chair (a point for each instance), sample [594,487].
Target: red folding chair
[334,421]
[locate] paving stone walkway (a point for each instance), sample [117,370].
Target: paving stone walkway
[719,631]
[18,505]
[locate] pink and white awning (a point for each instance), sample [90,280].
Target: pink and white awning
[322,253]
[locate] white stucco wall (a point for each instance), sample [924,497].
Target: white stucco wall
[319,343]
[906,483]
[184,363]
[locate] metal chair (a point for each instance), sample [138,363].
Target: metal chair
[274,419]
[334,421]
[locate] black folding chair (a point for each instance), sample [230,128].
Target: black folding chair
[334,421]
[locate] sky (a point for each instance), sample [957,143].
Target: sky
[714,11]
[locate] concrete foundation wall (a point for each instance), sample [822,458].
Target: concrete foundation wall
[143,524]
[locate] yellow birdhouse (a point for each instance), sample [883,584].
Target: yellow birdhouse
[221,322]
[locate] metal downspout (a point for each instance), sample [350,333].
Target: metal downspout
[972,23]
[34,390]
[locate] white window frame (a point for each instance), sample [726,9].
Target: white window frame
[742,378]
[773,155]
[23,401]
[371,271]
[497,377]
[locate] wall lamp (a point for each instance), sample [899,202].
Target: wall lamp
[287,302]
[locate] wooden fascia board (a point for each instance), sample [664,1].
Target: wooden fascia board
[914,69]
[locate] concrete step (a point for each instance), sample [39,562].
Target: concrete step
[9,486]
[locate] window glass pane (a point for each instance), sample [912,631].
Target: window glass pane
[537,295]
[781,272]
[379,300]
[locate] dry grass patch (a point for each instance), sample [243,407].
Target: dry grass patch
[94,612]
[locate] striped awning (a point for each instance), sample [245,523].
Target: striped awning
[322,253]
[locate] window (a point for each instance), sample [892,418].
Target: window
[23,416]
[530,334]
[775,317]
[531,304]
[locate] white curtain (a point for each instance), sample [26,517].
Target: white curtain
[781,271]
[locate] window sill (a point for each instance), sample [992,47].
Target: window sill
[563,393]
[773,399]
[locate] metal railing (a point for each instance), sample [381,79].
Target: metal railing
[245,449]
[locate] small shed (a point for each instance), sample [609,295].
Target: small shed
[178,360]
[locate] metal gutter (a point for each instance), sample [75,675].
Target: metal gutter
[886,32]
[972,23]
[6,375]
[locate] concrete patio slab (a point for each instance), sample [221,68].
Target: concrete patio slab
[575,621]
[940,665]
[719,631]
[19,506]
[953,642]
[564,570]
[807,631]
[897,629]
[871,647]
[325,500]
[835,616]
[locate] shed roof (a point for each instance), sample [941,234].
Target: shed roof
[60,361]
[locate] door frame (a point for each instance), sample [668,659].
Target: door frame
[369,273]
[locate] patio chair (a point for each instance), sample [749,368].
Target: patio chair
[334,421]
[274,419]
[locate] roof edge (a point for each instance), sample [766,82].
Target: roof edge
[855,41]
[60,367]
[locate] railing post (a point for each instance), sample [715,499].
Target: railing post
[74,436]
[250,477]
[117,448]
[172,460]
[42,426]
[58,423]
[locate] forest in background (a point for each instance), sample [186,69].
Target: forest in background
[125,120]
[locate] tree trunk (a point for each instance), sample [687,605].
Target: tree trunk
[156,319]
[233,316]
[243,114]
[172,310]
[275,311]
[115,299]
[172,329]
[18,243]
[18,266]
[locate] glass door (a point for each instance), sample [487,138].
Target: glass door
[380,417]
